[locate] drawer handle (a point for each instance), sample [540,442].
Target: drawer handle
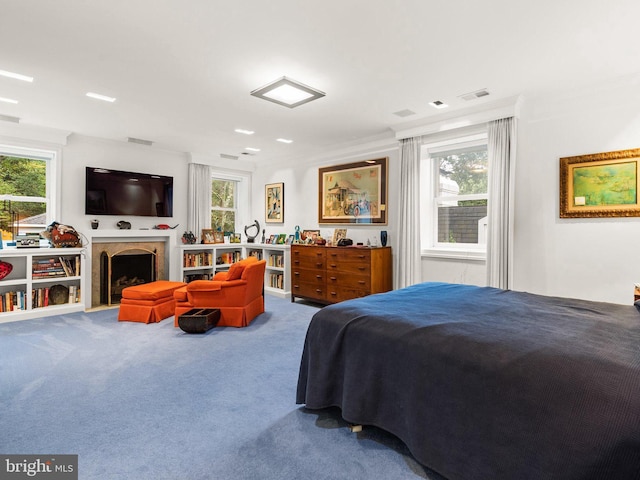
[318,276]
[334,293]
[333,278]
[361,256]
[333,265]
[362,268]
[319,254]
[296,273]
[318,290]
[361,282]
[318,264]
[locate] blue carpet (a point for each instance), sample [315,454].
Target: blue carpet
[138,401]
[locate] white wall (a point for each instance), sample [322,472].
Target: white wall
[596,259]
[81,152]
[301,193]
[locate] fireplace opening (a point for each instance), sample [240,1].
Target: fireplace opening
[123,269]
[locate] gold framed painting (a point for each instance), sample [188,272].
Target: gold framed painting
[274,203]
[600,185]
[353,193]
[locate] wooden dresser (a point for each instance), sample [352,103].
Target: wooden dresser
[333,274]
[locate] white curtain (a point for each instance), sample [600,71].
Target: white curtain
[408,261]
[502,156]
[199,201]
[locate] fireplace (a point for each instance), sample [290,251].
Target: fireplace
[125,268]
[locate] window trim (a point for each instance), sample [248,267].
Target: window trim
[430,247]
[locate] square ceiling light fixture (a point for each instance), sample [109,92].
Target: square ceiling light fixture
[287,92]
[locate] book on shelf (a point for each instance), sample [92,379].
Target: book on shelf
[199,259]
[256,253]
[12,301]
[196,276]
[276,260]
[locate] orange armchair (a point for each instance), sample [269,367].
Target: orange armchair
[238,294]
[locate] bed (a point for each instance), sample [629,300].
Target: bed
[482,383]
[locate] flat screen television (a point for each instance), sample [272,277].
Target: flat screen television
[115,192]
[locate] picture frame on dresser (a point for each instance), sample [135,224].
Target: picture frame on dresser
[353,193]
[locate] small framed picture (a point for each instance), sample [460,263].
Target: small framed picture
[282,238]
[290,239]
[235,238]
[272,239]
[338,234]
[218,237]
[208,235]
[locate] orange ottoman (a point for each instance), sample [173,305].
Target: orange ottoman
[148,302]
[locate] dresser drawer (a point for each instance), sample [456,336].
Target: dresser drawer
[309,253]
[309,290]
[358,268]
[351,255]
[344,279]
[342,294]
[307,275]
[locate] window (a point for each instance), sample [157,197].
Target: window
[25,190]
[224,194]
[455,197]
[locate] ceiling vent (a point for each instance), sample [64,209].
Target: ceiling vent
[9,118]
[228,157]
[474,95]
[139,141]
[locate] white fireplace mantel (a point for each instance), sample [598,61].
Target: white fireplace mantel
[130,236]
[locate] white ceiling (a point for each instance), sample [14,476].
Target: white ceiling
[182,70]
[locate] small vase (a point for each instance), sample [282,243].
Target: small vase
[94,224]
[383,238]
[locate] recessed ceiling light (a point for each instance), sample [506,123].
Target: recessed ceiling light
[245,132]
[104,98]
[404,113]
[438,104]
[284,140]
[8,100]
[287,92]
[251,149]
[17,76]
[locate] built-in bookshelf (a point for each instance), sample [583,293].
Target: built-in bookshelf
[42,282]
[276,281]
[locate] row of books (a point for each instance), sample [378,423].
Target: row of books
[10,301]
[276,280]
[276,261]
[56,267]
[201,259]
[41,297]
[229,257]
[256,253]
[197,276]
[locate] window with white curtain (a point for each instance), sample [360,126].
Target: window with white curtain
[454,196]
[27,179]
[224,204]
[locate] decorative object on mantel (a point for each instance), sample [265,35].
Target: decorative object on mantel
[353,193]
[383,238]
[252,238]
[5,269]
[122,225]
[95,223]
[62,235]
[600,185]
[188,238]
[164,226]
[58,295]
[263,237]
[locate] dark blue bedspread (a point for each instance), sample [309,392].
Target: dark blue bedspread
[485,384]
